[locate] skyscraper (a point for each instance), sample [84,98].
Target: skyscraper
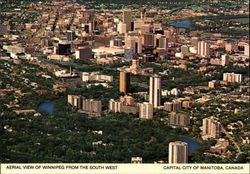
[134,42]
[124,82]
[178,152]
[211,128]
[149,39]
[224,60]
[146,110]
[155,91]
[70,35]
[127,19]
[203,49]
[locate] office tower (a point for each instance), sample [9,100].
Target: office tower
[145,28]
[155,91]
[203,49]
[163,42]
[64,48]
[121,28]
[70,35]
[124,82]
[178,152]
[146,110]
[211,128]
[127,19]
[128,54]
[232,77]
[179,119]
[83,53]
[149,39]
[224,60]
[134,42]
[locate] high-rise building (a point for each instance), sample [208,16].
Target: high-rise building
[232,77]
[64,48]
[124,82]
[149,39]
[121,28]
[211,128]
[83,53]
[145,28]
[128,54]
[203,49]
[70,35]
[163,42]
[155,91]
[127,19]
[224,60]
[134,42]
[84,105]
[115,106]
[179,119]
[178,152]
[146,110]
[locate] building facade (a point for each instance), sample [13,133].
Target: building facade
[146,110]
[178,152]
[124,82]
[211,128]
[155,91]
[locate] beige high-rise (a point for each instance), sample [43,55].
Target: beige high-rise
[146,110]
[203,49]
[178,152]
[211,128]
[155,91]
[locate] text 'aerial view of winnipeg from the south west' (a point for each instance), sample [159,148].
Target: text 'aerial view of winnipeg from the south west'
[124,81]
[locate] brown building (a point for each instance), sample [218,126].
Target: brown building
[125,82]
